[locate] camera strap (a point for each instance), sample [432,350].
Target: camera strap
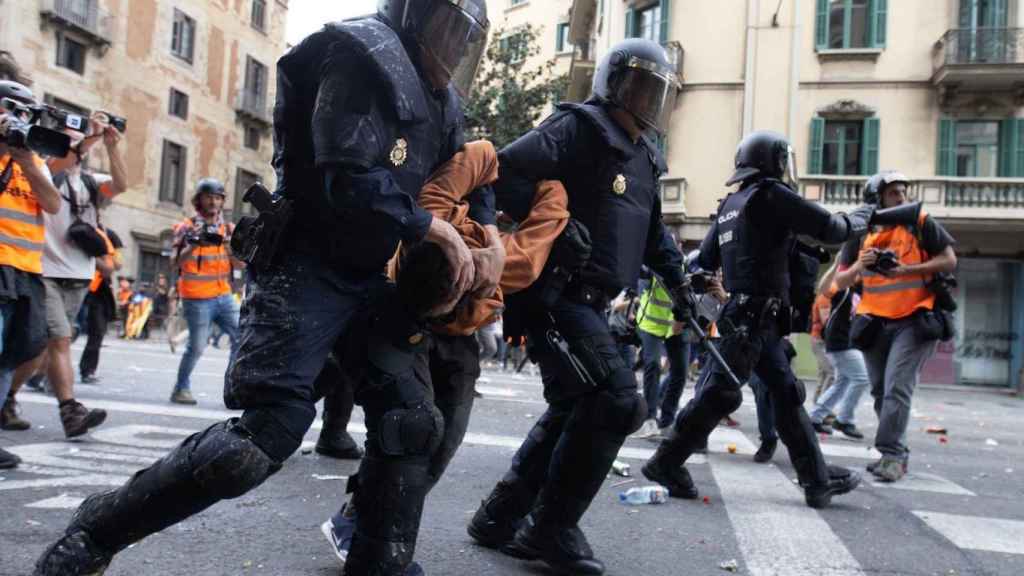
[6,175]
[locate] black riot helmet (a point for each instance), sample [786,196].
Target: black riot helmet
[877,184]
[451,32]
[637,76]
[765,154]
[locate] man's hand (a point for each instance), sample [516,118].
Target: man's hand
[716,290]
[444,235]
[489,263]
[682,303]
[111,137]
[867,258]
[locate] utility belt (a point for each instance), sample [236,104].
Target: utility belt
[749,313]
[935,324]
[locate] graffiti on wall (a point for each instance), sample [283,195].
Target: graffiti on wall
[981,344]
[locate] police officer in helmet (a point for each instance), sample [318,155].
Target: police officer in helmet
[366,110]
[602,151]
[751,240]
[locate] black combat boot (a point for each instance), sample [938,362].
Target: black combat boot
[675,478]
[564,548]
[337,443]
[75,554]
[489,527]
[840,481]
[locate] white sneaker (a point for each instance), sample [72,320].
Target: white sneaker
[648,430]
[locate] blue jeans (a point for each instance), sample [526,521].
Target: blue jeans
[851,380]
[678,361]
[200,315]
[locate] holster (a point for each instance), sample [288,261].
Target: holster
[257,239]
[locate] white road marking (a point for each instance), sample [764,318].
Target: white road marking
[65,481]
[63,502]
[776,531]
[925,482]
[976,532]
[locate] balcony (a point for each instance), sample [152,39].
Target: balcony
[980,58]
[582,16]
[995,200]
[81,16]
[253,107]
[581,72]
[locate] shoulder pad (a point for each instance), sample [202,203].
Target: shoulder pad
[386,56]
[612,134]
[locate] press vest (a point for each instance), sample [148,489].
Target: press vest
[655,313]
[97,277]
[206,272]
[900,296]
[21,222]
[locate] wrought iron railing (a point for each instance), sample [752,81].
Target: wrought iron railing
[84,15]
[998,197]
[981,46]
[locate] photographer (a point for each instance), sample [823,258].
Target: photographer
[72,243]
[204,282]
[25,193]
[897,327]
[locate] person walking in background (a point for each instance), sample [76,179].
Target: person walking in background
[819,313]
[101,307]
[660,334]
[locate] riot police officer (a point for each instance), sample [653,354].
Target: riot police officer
[603,153]
[752,240]
[366,109]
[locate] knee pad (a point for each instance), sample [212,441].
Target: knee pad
[725,400]
[227,462]
[414,431]
[277,430]
[621,414]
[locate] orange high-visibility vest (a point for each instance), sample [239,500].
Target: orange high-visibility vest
[21,222]
[206,272]
[97,276]
[900,296]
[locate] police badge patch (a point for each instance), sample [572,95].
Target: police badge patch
[619,185]
[400,152]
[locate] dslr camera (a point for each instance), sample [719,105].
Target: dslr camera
[23,129]
[886,262]
[208,235]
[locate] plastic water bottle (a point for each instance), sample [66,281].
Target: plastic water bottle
[644,495]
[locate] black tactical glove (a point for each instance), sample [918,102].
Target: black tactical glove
[683,303]
[572,248]
[859,220]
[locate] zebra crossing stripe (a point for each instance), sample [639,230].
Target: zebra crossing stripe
[776,531]
[976,532]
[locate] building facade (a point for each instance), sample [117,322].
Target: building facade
[193,78]
[934,88]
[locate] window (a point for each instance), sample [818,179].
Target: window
[981,148]
[514,3]
[259,13]
[562,43]
[850,24]
[844,147]
[243,180]
[983,34]
[183,36]
[650,22]
[255,83]
[151,263]
[70,53]
[252,137]
[172,173]
[516,44]
[178,104]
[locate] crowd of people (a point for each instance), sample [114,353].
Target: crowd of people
[373,175]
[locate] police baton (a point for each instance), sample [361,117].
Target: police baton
[704,340]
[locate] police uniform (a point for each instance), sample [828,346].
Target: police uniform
[613,188]
[357,132]
[752,240]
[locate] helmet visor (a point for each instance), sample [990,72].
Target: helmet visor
[648,92]
[792,177]
[456,40]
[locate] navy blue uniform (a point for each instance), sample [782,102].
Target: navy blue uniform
[613,189]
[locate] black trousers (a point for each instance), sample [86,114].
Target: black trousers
[96,329]
[749,349]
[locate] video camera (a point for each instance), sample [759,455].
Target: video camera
[23,130]
[208,235]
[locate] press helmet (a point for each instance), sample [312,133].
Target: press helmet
[877,184]
[208,186]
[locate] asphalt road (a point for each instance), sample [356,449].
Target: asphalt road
[960,512]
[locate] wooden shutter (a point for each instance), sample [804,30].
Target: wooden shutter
[945,163]
[630,22]
[869,147]
[814,158]
[879,9]
[821,25]
[666,17]
[1009,145]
